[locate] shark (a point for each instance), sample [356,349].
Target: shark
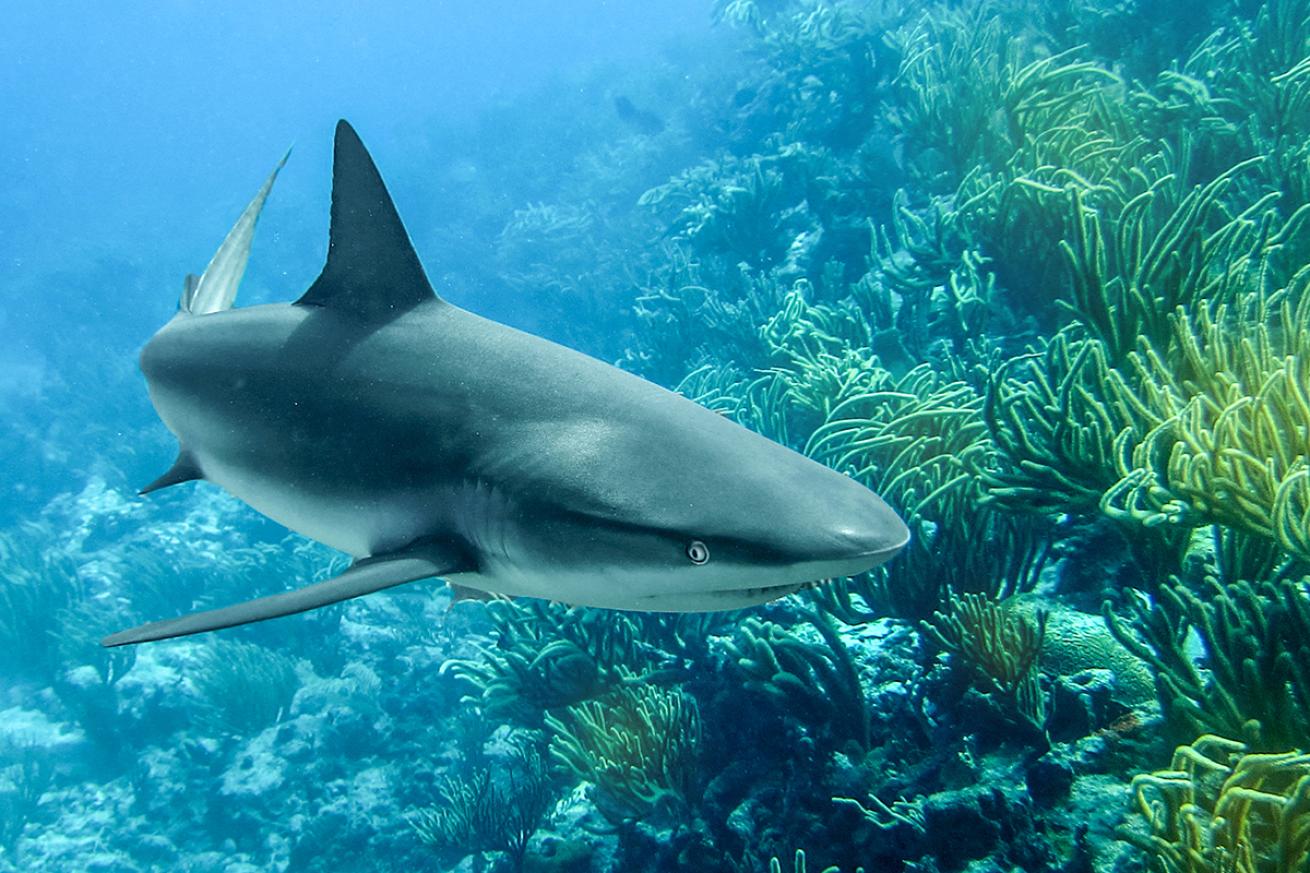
[428,442]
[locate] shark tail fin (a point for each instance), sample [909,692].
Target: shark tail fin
[216,289]
[365,577]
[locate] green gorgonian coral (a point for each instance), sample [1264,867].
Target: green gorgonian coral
[800,865]
[814,679]
[1162,252]
[39,589]
[483,813]
[1054,418]
[548,656]
[923,446]
[245,687]
[1221,808]
[639,746]
[1256,642]
[1231,423]
[1175,401]
[1001,646]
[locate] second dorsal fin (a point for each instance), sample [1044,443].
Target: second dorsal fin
[372,270]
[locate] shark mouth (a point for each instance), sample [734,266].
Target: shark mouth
[718,600]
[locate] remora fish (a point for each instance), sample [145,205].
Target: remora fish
[426,441]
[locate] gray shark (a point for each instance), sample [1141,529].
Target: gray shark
[425,441]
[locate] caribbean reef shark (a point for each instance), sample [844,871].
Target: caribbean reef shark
[425,441]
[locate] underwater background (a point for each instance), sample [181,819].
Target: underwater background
[1038,273]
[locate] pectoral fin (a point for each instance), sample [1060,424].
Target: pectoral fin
[365,577]
[460,593]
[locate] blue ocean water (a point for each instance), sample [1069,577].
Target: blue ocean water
[1037,273]
[135,136]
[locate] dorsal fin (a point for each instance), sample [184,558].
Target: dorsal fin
[371,270]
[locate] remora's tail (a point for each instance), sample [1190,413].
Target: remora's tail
[216,289]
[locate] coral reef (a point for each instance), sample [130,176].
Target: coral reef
[1223,807]
[1036,272]
[640,746]
[1255,639]
[1000,646]
[477,814]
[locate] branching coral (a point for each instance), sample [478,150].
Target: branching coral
[551,249]
[482,813]
[1130,276]
[884,816]
[923,446]
[1054,421]
[1060,129]
[825,63]
[814,356]
[1197,423]
[802,332]
[1247,85]
[1000,646]
[718,387]
[38,588]
[951,78]
[943,289]
[245,687]
[820,357]
[84,626]
[690,315]
[1231,424]
[26,774]
[974,96]
[747,210]
[1256,640]
[1221,807]
[639,746]
[919,251]
[548,656]
[800,865]
[815,679]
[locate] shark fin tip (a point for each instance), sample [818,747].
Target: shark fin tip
[184,469]
[372,269]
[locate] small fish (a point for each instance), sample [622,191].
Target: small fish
[641,120]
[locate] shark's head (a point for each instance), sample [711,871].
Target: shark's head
[672,507]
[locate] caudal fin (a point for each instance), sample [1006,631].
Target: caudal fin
[216,289]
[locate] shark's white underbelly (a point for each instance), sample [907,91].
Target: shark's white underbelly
[483,518]
[360,524]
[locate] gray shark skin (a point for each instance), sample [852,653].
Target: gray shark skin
[426,441]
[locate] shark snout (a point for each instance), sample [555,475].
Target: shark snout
[868,541]
[859,532]
[863,541]
[874,529]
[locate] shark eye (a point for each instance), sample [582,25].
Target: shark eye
[698,552]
